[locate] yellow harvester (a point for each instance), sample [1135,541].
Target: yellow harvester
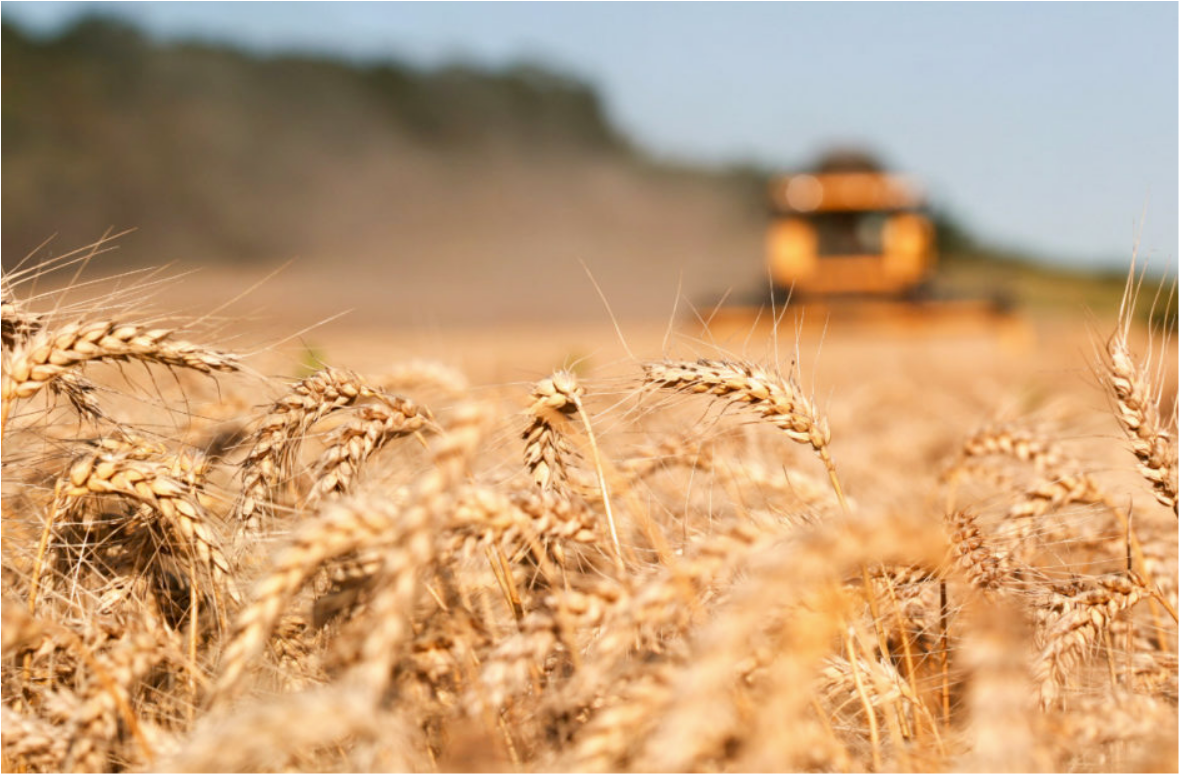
[849,229]
[851,243]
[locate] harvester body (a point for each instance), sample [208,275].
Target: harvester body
[849,233]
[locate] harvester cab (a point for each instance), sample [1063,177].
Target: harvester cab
[849,229]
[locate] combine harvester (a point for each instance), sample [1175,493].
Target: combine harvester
[850,245]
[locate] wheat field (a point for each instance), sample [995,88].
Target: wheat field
[825,557]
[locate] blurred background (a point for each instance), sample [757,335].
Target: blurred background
[458,164]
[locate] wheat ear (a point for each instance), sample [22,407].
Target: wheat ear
[1136,398]
[1074,620]
[350,446]
[1138,413]
[340,527]
[776,400]
[974,556]
[17,323]
[411,549]
[1020,444]
[276,441]
[51,353]
[18,326]
[153,484]
[545,448]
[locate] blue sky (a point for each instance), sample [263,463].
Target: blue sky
[1052,127]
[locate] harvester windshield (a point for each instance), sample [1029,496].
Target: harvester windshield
[849,233]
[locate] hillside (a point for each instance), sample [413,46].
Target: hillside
[486,180]
[103,127]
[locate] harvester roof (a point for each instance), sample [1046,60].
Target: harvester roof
[844,180]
